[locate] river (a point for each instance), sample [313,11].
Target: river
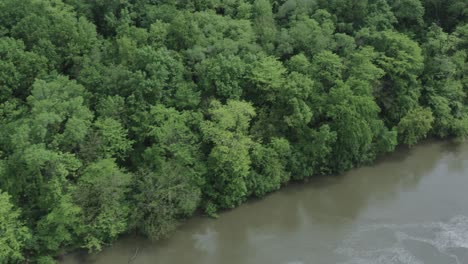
[410,207]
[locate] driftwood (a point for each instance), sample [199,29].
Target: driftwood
[134,256]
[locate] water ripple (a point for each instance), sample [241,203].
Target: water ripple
[443,236]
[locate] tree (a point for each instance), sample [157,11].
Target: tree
[168,183]
[51,30]
[59,228]
[107,140]
[269,167]
[318,35]
[267,76]
[327,68]
[170,135]
[163,198]
[41,187]
[415,125]
[39,152]
[222,76]
[105,14]
[289,9]
[60,117]
[264,23]
[380,16]
[409,13]
[350,14]
[402,61]
[101,194]
[311,151]
[19,68]
[13,234]
[228,160]
[443,85]
[355,119]
[446,13]
[120,116]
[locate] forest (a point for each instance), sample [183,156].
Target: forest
[128,116]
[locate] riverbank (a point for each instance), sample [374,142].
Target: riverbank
[367,210]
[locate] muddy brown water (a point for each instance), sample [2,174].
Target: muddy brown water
[410,207]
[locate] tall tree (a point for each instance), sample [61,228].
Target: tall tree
[228,160]
[13,234]
[101,194]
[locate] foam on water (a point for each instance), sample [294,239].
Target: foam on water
[443,236]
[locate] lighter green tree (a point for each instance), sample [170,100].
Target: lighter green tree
[13,234]
[229,160]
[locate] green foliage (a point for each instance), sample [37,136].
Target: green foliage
[60,118]
[109,139]
[13,234]
[402,61]
[18,69]
[352,118]
[163,198]
[169,135]
[447,13]
[120,116]
[228,160]
[327,67]
[409,13]
[269,167]
[60,227]
[267,75]
[380,15]
[100,193]
[264,23]
[319,37]
[222,77]
[443,83]
[415,125]
[51,29]
[312,152]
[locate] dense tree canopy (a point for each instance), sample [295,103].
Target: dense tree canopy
[14,235]
[129,116]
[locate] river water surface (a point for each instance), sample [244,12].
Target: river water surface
[410,207]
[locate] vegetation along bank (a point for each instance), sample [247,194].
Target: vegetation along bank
[127,116]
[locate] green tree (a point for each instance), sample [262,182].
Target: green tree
[39,149]
[269,167]
[14,235]
[267,76]
[52,30]
[446,13]
[264,23]
[60,228]
[319,35]
[349,13]
[311,151]
[163,198]
[380,16]
[327,69]
[18,69]
[119,116]
[409,13]
[402,61]
[415,125]
[101,194]
[61,118]
[108,139]
[222,76]
[442,79]
[228,160]
[168,134]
